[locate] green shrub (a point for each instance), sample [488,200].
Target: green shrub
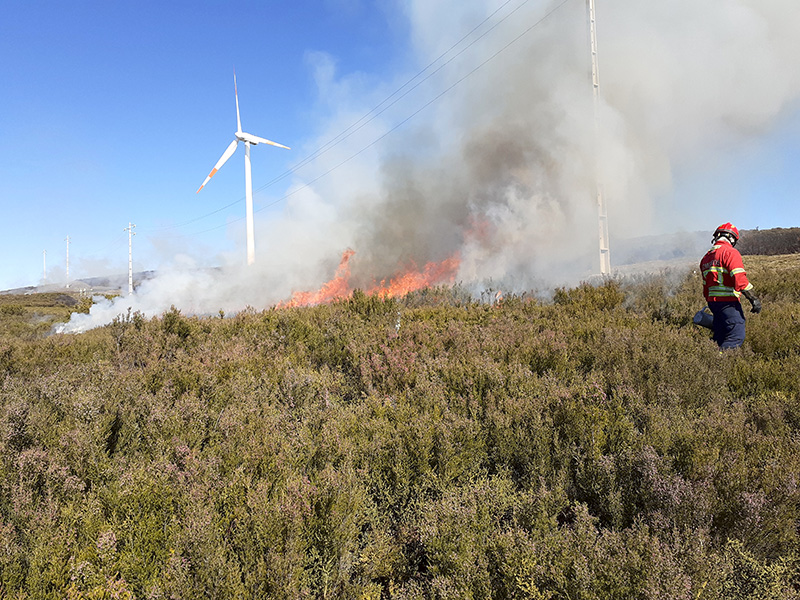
[590,298]
[594,446]
[12,310]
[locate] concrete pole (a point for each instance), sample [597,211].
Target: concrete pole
[67,240]
[129,229]
[605,250]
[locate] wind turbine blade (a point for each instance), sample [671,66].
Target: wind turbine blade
[261,140]
[236,93]
[225,156]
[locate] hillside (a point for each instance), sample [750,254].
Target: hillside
[770,241]
[690,246]
[593,446]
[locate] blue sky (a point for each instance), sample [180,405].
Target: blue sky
[115,112]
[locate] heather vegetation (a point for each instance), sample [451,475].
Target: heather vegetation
[591,445]
[32,316]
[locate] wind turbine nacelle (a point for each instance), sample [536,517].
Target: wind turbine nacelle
[249,137]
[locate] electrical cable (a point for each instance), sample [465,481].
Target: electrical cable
[104,250]
[401,123]
[376,111]
[372,114]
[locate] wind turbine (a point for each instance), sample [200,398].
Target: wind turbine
[249,140]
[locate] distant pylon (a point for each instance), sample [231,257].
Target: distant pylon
[67,240]
[129,229]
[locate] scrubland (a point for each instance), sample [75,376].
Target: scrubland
[595,445]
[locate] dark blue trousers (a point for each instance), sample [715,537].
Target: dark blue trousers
[728,324]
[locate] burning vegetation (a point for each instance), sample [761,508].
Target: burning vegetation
[409,280]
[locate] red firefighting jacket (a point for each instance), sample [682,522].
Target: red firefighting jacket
[724,276]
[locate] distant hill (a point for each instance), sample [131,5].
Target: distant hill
[645,249]
[624,253]
[770,241]
[692,244]
[106,284]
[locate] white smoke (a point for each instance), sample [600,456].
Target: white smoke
[497,158]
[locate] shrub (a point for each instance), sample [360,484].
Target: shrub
[595,446]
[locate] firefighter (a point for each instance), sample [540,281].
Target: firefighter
[724,280]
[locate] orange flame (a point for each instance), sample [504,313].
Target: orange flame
[411,280]
[336,288]
[408,281]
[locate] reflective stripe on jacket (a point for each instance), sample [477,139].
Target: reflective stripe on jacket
[724,276]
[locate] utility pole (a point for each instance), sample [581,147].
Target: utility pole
[129,229]
[605,250]
[67,240]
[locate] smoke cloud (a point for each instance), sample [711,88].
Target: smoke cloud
[499,152]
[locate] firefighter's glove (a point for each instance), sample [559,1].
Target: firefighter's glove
[756,306]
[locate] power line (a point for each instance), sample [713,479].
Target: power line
[401,123]
[377,110]
[116,241]
[372,114]
[380,108]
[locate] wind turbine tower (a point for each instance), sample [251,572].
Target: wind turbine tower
[605,250]
[249,140]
